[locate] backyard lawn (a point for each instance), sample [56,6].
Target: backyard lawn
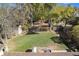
[41,39]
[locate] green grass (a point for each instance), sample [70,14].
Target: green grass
[29,41]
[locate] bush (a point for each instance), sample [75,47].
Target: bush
[75,33]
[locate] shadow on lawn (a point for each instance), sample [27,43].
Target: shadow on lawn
[28,50]
[68,45]
[31,33]
[56,39]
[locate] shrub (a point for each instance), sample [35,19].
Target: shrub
[75,33]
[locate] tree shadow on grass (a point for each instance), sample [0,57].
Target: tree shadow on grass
[31,33]
[56,39]
[28,50]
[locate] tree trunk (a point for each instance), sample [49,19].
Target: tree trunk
[50,24]
[31,22]
[65,23]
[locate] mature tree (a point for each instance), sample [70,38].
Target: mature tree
[68,13]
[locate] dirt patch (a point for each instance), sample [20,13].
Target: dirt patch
[11,45]
[56,46]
